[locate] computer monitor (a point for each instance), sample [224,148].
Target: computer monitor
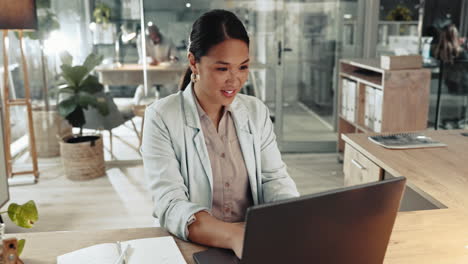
[4,194]
[350,225]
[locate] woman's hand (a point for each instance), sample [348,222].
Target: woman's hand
[209,231]
[237,238]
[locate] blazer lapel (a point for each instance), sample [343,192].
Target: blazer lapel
[246,141]
[193,121]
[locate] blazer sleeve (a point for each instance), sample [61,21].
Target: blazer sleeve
[276,182]
[162,171]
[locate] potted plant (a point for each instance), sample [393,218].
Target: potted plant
[24,216]
[102,13]
[82,155]
[104,31]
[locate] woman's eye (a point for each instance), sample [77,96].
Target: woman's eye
[221,69]
[245,67]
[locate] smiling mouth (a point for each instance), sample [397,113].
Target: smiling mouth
[228,93]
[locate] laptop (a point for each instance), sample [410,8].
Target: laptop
[350,225]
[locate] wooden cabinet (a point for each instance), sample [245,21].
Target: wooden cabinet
[382,100]
[358,169]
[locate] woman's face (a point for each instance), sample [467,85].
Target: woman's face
[223,72]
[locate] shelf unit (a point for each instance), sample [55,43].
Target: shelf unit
[405,97]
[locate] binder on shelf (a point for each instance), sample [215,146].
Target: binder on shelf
[367,112]
[370,105]
[344,99]
[352,87]
[378,110]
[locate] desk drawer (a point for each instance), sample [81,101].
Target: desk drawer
[358,169]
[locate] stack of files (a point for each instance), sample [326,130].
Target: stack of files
[140,251]
[373,109]
[348,99]
[344,97]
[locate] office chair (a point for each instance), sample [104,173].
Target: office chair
[115,118]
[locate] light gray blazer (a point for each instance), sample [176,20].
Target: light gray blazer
[177,165]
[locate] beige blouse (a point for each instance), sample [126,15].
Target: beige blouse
[231,188]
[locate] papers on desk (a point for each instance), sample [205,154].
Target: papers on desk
[405,141]
[161,250]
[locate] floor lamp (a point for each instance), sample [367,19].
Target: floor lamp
[17,15]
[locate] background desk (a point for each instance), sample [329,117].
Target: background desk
[132,74]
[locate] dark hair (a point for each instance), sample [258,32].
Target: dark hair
[209,30]
[448,48]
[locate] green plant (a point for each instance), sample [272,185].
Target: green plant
[24,216]
[79,90]
[102,13]
[400,13]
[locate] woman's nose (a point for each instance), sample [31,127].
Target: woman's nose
[233,75]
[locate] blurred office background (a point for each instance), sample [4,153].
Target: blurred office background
[295,49]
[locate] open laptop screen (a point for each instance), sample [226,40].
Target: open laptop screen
[349,225]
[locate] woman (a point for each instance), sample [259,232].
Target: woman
[209,153]
[450,46]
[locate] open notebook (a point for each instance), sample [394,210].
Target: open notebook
[405,141]
[161,250]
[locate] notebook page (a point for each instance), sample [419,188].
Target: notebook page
[97,254]
[160,250]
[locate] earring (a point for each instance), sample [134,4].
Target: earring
[195,77]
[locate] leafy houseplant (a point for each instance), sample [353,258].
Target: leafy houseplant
[80,90]
[102,13]
[104,32]
[399,13]
[82,156]
[23,216]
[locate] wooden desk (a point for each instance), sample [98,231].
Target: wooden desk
[440,175]
[132,74]
[429,237]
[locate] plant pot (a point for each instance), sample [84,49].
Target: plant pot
[48,125]
[83,157]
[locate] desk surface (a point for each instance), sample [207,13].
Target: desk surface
[43,248]
[438,174]
[442,173]
[429,237]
